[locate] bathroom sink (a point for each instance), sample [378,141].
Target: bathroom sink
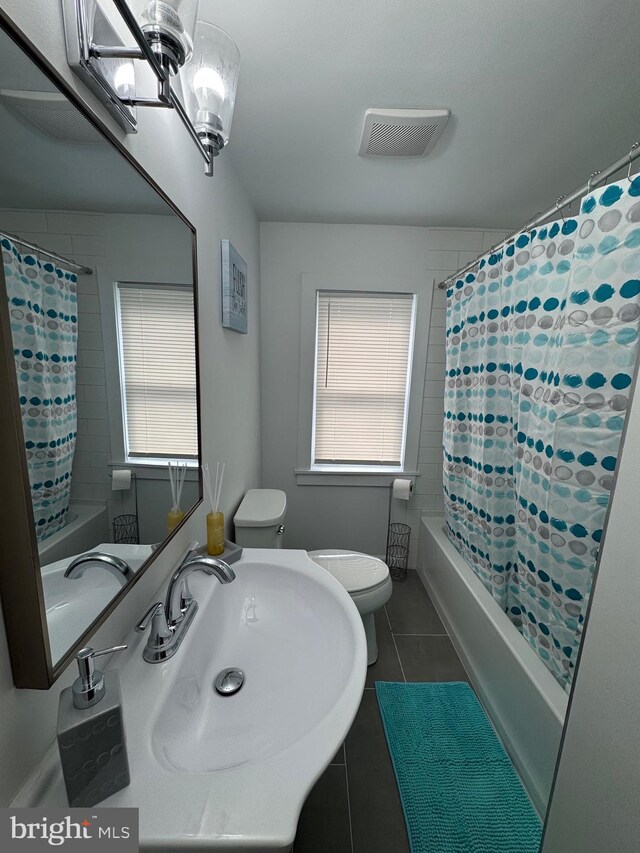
[290,637]
[231,773]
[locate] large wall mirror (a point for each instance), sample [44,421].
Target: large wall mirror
[99,370]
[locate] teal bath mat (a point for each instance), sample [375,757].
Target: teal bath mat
[459,790]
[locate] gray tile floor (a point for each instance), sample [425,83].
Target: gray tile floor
[355,807]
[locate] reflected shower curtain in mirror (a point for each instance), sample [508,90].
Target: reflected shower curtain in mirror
[43,314]
[542,340]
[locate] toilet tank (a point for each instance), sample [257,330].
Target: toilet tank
[259,519]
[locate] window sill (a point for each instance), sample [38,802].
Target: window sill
[155,469]
[346,477]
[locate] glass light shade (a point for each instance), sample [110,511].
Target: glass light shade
[210,80]
[173,18]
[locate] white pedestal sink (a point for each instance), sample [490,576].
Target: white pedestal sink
[231,773]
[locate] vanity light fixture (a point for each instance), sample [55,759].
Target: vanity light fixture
[172,41]
[211,79]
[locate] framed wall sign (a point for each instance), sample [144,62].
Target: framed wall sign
[234,289]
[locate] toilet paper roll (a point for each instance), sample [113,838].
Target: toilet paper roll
[121,479]
[402,489]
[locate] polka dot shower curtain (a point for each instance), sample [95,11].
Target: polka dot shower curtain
[43,314]
[542,339]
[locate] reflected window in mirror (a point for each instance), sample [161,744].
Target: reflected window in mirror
[157,360]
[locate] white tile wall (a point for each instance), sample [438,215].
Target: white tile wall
[448,250]
[81,237]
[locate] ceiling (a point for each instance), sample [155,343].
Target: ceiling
[541,95]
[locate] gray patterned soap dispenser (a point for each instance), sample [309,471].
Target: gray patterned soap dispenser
[91,736]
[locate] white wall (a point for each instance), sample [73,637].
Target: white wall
[594,805]
[218,208]
[352,517]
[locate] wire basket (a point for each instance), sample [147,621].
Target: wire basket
[125,530]
[398,538]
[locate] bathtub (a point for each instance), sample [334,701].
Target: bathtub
[87,525]
[526,704]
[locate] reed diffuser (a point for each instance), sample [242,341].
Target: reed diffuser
[215,519]
[177,473]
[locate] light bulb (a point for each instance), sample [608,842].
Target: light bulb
[124,80]
[209,89]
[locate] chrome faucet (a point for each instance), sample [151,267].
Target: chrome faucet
[170,621]
[120,569]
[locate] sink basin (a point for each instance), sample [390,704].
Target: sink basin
[284,631]
[231,773]
[72,604]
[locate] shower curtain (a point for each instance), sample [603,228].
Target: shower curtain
[43,314]
[542,339]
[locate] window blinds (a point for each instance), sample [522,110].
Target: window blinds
[363,352]
[158,369]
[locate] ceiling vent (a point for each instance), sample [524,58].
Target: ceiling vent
[51,113]
[401,133]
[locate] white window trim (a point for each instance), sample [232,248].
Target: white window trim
[308,474]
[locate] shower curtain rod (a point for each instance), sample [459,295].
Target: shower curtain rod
[563,201]
[72,266]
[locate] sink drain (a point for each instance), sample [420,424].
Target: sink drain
[229,681]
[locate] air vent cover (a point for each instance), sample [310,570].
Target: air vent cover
[51,113]
[401,133]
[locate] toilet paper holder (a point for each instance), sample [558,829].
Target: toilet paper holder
[398,534]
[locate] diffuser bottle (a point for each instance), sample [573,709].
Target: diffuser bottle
[215,518]
[215,533]
[174,517]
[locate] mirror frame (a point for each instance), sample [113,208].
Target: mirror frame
[21,587]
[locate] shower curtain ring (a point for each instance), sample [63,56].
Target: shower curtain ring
[558,200]
[529,226]
[631,150]
[591,177]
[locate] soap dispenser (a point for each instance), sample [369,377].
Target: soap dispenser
[91,736]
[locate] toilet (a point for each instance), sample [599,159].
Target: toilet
[259,524]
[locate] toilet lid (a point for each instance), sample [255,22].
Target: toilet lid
[355,571]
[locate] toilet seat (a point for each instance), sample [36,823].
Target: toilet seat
[358,573]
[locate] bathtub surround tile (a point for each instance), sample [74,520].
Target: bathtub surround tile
[441,260]
[74,223]
[89,245]
[433,406]
[411,611]
[377,822]
[324,821]
[17,221]
[455,239]
[60,243]
[493,237]
[465,258]
[429,658]
[438,317]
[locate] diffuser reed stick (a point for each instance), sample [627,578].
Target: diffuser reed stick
[177,474]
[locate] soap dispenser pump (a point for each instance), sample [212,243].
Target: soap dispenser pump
[91,736]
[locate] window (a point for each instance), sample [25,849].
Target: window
[158,370]
[364,343]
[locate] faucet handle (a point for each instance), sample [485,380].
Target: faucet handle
[160,631]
